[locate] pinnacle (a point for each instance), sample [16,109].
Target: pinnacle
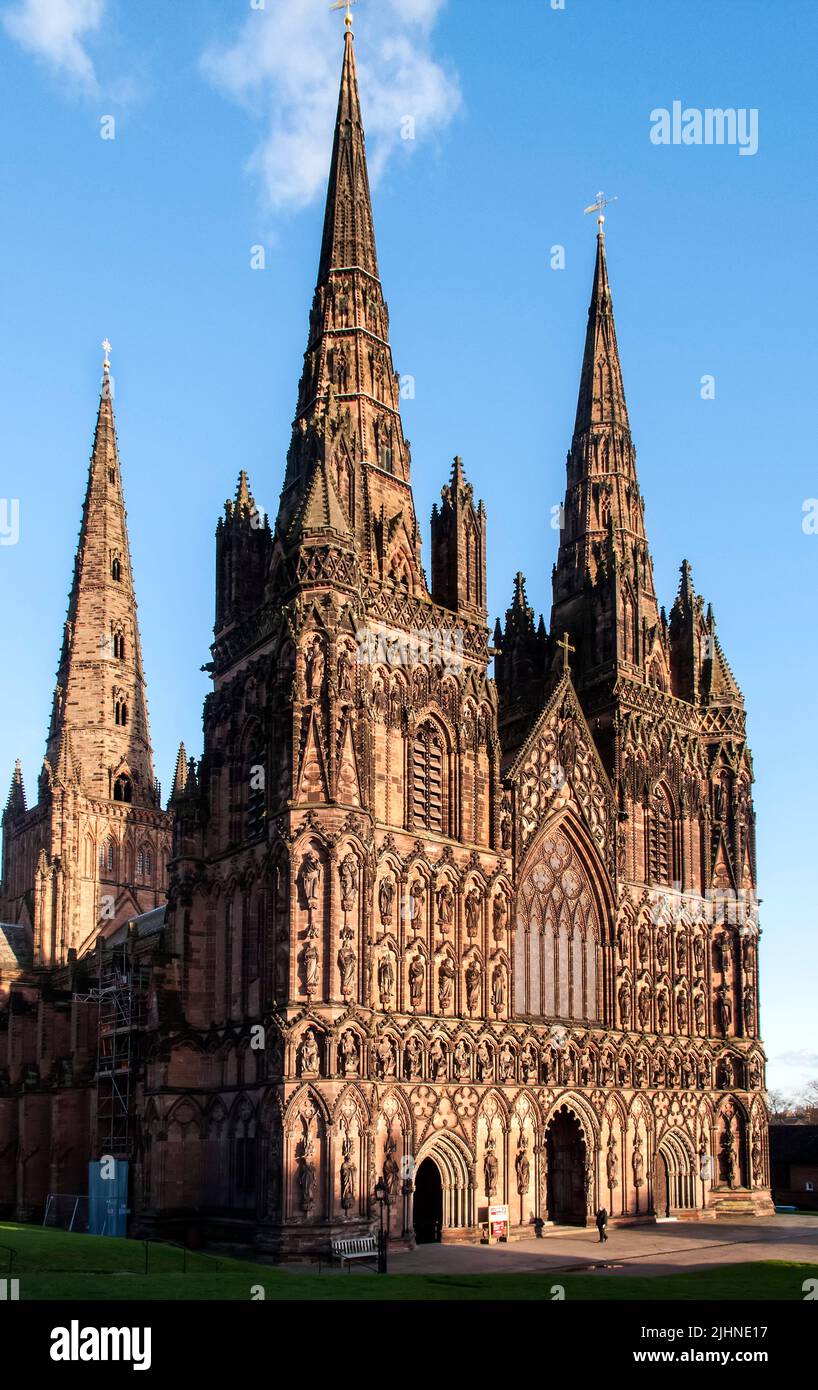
[180,774]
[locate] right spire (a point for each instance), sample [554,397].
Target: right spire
[603,593]
[601,393]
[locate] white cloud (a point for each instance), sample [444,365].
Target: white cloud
[54,30]
[284,66]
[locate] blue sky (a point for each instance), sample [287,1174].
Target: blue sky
[223,119]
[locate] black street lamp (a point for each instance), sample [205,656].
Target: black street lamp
[382,1198]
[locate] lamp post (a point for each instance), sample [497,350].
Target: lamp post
[382,1198]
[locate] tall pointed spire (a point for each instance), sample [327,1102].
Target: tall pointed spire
[603,592]
[601,393]
[348,410]
[99,722]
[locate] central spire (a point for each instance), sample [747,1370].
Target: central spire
[348,411]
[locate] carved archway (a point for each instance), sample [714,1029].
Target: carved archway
[457,1179]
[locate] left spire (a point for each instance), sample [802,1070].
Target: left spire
[100,698]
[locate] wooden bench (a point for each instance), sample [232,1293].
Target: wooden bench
[357,1248]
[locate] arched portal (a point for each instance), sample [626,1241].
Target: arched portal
[675,1185]
[450,1158]
[428,1206]
[565,1147]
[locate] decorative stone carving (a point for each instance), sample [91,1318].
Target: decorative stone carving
[349,1053]
[490,1168]
[474,977]
[417,981]
[347,1176]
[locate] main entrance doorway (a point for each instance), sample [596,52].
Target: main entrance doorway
[566,1170]
[428,1206]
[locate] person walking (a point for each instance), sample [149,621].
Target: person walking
[601,1224]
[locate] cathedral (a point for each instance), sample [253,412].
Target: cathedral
[491,941]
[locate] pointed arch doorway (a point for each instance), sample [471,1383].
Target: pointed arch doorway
[428,1203]
[565,1150]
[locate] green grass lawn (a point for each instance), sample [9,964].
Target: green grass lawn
[55,1265]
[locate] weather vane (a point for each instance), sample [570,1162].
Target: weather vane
[106,348]
[345,5]
[598,206]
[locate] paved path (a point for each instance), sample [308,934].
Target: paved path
[666,1248]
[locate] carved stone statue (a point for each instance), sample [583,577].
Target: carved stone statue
[474,900]
[638,1163]
[347,960]
[724,1010]
[307,1178]
[661,945]
[437,1059]
[644,1006]
[698,1012]
[642,940]
[490,1169]
[348,874]
[344,672]
[506,1063]
[681,1011]
[347,1176]
[310,1059]
[391,1171]
[349,1053]
[314,663]
[386,978]
[414,1058]
[462,1059]
[499,915]
[749,1009]
[484,1061]
[528,1062]
[445,905]
[522,1167]
[663,1010]
[698,954]
[311,881]
[386,897]
[622,941]
[384,1058]
[417,981]
[417,894]
[474,976]
[681,953]
[724,953]
[498,989]
[310,965]
[445,983]
[611,1165]
[625,1004]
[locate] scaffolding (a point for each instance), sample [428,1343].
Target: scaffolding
[120,998]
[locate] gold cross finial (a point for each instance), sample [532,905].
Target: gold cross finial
[565,646]
[106,348]
[345,5]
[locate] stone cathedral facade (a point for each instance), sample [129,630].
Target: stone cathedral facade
[494,940]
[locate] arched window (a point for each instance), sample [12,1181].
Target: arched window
[119,646]
[123,787]
[116,569]
[256,802]
[429,809]
[106,857]
[148,863]
[140,862]
[120,712]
